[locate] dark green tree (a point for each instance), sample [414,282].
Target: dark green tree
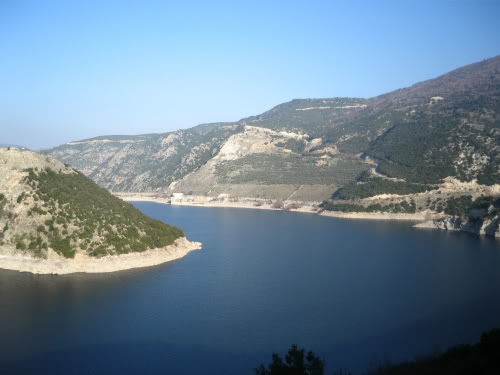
[296,362]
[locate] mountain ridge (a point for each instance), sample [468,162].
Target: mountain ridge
[317,149]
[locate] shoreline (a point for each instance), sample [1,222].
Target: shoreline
[421,220]
[82,263]
[306,208]
[136,197]
[379,216]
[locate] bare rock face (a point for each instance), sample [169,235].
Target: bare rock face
[144,163]
[488,225]
[55,220]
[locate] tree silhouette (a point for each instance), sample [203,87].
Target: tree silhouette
[296,362]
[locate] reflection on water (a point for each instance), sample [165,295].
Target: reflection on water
[354,291]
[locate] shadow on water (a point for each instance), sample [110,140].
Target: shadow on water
[136,358]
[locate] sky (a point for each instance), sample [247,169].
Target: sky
[72,70]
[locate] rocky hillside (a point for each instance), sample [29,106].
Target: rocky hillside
[311,149]
[145,162]
[49,208]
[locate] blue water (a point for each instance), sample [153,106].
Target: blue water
[356,292]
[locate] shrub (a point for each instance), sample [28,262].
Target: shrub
[20,245]
[377,186]
[20,197]
[278,204]
[293,206]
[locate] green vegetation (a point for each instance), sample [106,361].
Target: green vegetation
[289,116]
[376,186]
[465,206]
[403,207]
[412,138]
[357,133]
[291,169]
[455,206]
[87,216]
[20,198]
[479,359]
[292,144]
[425,148]
[2,205]
[63,246]
[458,206]
[296,362]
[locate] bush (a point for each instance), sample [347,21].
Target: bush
[400,207]
[278,204]
[458,206]
[20,197]
[293,206]
[20,245]
[377,186]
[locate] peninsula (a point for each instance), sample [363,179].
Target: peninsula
[54,220]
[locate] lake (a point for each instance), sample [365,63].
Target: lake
[357,292]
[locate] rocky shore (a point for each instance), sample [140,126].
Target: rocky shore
[377,215]
[253,203]
[12,259]
[425,219]
[487,227]
[257,204]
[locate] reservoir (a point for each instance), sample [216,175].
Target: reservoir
[356,292]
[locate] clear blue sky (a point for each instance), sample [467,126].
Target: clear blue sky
[76,69]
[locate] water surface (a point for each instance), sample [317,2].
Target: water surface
[356,292]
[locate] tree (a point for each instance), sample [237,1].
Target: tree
[296,362]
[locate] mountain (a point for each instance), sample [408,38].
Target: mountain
[54,219]
[144,162]
[309,148]
[395,153]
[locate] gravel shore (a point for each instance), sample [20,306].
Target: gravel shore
[56,264]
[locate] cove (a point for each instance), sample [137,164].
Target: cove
[357,292]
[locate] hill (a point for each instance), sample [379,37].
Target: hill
[53,218]
[404,143]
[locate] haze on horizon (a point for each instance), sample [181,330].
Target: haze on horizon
[72,71]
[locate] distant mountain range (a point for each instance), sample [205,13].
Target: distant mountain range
[308,149]
[407,151]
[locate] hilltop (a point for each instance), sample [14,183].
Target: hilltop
[53,219]
[399,148]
